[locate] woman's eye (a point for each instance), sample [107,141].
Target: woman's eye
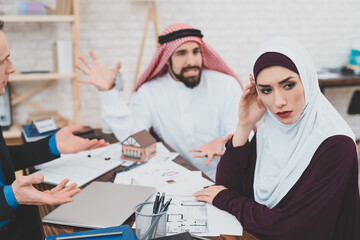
[289,85]
[265,90]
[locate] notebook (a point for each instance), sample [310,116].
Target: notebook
[100,205]
[127,234]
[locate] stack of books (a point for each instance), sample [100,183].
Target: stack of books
[30,8]
[31,134]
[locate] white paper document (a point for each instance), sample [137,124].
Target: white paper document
[160,148]
[82,167]
[187,214]
[166,176]
[222,222]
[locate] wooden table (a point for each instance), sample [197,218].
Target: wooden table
[341,81]
[54,229]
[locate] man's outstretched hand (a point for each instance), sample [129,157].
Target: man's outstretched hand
[67,142]
[99,76]
[211,149]
[26,193]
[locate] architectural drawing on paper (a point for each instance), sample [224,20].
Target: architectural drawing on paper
[186,214]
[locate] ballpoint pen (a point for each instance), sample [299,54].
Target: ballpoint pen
[132,166]
[151,231]
[166,205]
[128,167]
[156,203]
[161,202]
[161,208]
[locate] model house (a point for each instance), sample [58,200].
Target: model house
[139,146]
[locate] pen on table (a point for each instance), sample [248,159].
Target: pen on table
[133,165]
[156,203]
[199,237]
[128,167]
[88,235]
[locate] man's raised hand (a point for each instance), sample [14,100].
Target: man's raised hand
[99,76]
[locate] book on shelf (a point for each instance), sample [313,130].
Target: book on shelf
[31,134]
[63,56]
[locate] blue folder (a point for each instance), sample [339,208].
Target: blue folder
[127,233]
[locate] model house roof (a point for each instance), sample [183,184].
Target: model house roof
[140,139]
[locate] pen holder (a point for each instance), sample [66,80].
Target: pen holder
[149,225]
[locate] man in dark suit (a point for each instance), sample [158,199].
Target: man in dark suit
[18,197]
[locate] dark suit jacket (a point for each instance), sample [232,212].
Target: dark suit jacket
[14,158]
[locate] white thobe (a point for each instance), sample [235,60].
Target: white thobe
[183,117]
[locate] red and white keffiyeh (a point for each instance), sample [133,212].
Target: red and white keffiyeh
[158,67]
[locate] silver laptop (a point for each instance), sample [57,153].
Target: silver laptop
[100,205]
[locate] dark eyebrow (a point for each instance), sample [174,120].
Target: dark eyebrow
[281,82]
[5,58]
[181,51]
[285,80]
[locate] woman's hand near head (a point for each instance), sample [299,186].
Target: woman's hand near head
[251,110]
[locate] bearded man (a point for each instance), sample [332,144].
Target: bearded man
[187,94]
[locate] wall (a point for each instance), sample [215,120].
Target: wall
[234,28]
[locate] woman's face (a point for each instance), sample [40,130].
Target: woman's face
[282,92]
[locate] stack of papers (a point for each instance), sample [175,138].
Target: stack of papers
[167,177]
[179,183]
[85,166]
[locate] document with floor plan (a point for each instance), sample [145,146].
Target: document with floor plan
[200,218]
[185,214]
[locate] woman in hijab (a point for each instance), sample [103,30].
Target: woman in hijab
[298,177]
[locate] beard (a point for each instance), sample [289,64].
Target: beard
[189,82]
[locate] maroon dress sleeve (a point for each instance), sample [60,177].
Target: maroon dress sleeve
[235,169]
[323,204]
